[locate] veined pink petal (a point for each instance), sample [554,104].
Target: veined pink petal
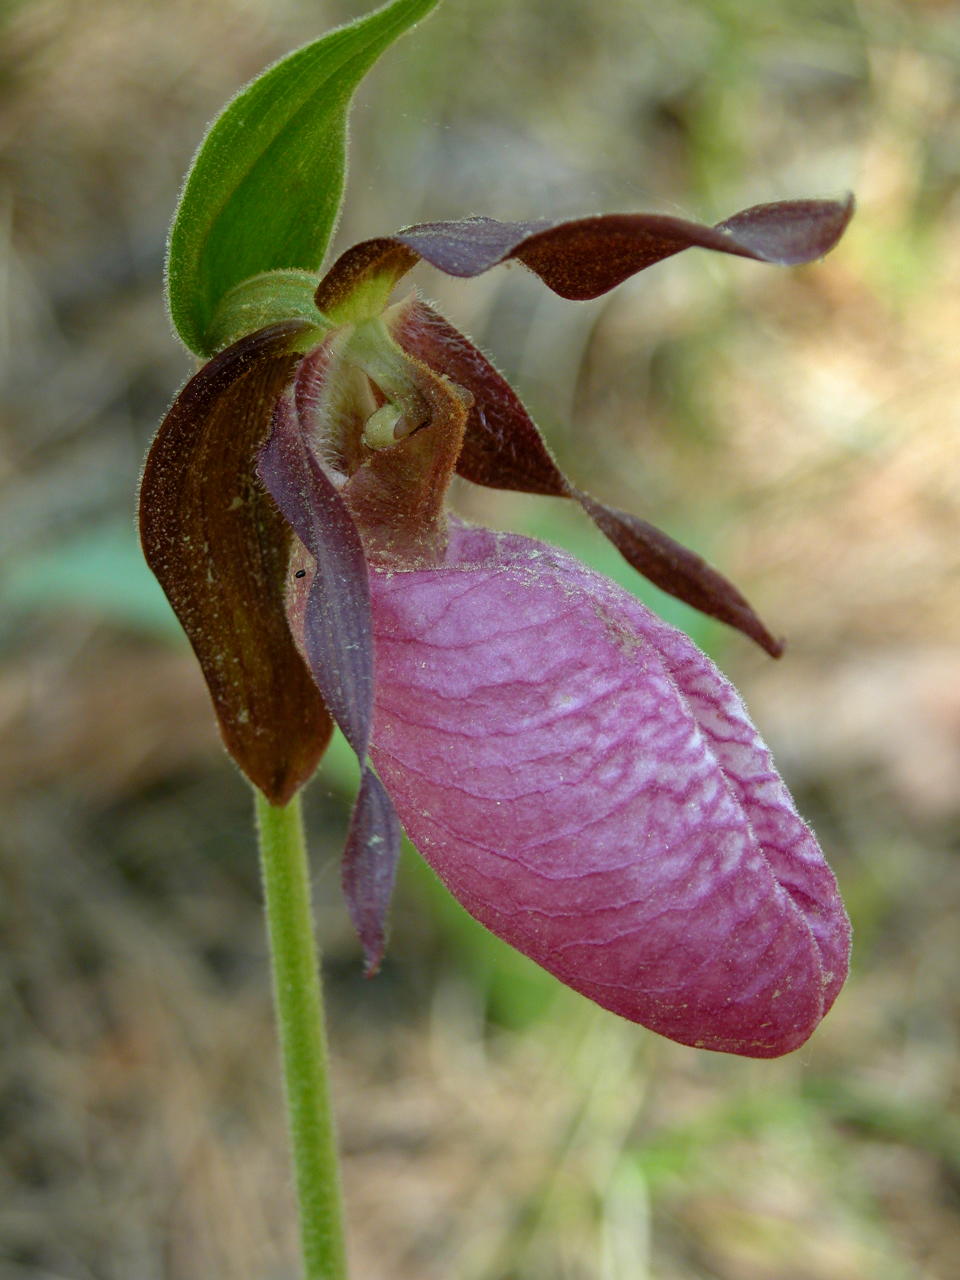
[590,787]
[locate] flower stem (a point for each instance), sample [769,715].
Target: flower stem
[298,1001]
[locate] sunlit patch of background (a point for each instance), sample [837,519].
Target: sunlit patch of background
[800,428]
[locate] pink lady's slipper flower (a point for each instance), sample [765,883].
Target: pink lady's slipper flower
[581,777]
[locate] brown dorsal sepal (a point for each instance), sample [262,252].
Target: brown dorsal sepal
[219,547]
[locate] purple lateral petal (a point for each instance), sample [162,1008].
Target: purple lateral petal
[337,632]
[333,616]
[504,449]
[585,257]
[675,569]
[219,549]
[591,789]
[789,233]
[370,867]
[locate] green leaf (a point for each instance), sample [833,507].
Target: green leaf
[265,187]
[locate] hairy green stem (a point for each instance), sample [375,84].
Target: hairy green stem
[298,1001]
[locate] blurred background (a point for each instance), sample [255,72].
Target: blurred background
[799,428]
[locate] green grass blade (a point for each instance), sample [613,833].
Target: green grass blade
[265,187]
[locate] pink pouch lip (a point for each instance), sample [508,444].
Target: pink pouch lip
[589,786]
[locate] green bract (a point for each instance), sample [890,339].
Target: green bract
[264,191]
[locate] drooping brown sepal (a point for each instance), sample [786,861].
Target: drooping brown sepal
[220,549]
[503,449]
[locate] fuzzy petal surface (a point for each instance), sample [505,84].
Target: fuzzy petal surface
[590,787]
